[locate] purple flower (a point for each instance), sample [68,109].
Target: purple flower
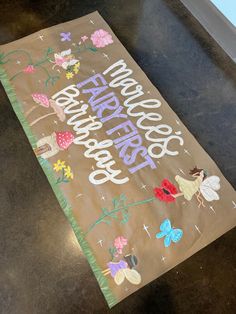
[65,36]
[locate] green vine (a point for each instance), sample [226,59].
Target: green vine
[119,207]
[46,58]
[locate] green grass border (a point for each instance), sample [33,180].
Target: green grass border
[66,207]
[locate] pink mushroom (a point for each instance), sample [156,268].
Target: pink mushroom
[40,99]
[50,145]
[57,110]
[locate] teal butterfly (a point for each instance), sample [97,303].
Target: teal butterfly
[170,234]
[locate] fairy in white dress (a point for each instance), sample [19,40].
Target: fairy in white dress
[201,186]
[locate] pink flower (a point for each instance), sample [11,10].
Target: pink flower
[119,243]
[101,38]
[84,38]
[29,69]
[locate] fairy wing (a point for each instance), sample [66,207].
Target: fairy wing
[209,187]
[176,235]
[167,240]
[72,62]
[212,182]
[165,228]
[65,53]
[119,277]
[66,64]
[132,276]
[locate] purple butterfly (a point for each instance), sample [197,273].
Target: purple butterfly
[65,36]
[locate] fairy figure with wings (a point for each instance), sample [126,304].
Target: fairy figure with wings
[202,186]
[124,269]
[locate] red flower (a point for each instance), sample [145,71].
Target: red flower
[166,191]
[29,69]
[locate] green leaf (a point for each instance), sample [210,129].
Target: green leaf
[49,50]
[113,215]
[115,202]
[104,210]
[123,197]
[106,221]
[1,58]
[125,216]
[93,49]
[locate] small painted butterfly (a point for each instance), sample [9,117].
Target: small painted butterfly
[169,233]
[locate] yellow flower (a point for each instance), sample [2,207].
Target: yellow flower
[68,173]
[59,165]
[76,67]
[69,75]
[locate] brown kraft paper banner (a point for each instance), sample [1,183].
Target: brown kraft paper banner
[139,191]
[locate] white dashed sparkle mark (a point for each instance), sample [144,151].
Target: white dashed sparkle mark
[148,92]
[58,71]
[197,229]
[181,170]
[40,37]
[146,230]
[100,242]
[93,71]
[55,121]
[91,21]
[105,56]
[163,258]
[212,208]
[103,197]
[18,62]
[234,204]
[177,122]
[78,195]
[187,152]
[73,44]
[143,187]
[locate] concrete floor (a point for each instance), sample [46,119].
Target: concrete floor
[41,267]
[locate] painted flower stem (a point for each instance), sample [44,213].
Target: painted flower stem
[18,51]
[112,212]
[62,179]
[14,76]
[41,118]
[41,62]
[84,48]
[30,110]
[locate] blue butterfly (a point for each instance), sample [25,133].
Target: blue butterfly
[169,233]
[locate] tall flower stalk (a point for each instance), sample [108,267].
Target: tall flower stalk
[119,207]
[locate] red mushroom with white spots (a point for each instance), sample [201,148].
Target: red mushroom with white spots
[50,145]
